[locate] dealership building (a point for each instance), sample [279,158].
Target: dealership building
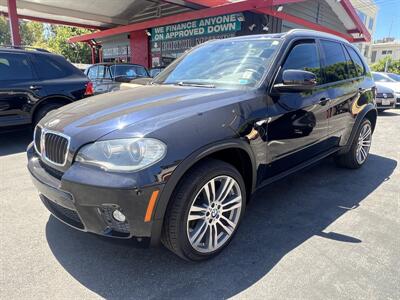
[153,33]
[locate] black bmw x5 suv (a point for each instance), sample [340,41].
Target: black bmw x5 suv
[33,82]
[177,161]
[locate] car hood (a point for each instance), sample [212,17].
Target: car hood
[388,87]
[92,118]
[385,87]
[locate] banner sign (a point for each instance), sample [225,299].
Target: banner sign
[119,51]
[195,28]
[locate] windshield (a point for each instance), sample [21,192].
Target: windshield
[131,71]
[394,76]
[229,63]
[382,77]
[155,71]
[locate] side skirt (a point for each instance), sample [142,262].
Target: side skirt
[299,167]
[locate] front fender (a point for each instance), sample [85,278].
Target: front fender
[183,167]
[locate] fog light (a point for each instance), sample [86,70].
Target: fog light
[119,216]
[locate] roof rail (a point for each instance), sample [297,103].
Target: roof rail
[24,47]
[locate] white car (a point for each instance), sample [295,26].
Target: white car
[385,80]
[385,98]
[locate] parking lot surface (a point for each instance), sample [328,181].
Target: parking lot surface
[323,233]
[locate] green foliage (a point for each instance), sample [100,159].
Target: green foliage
[31,32]
[50,37]
[393,65]
[4,31]
[58,43]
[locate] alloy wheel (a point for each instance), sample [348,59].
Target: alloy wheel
[364,143]
[214,214]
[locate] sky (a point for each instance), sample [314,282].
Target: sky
[388,17]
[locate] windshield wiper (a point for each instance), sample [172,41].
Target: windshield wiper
[198,84]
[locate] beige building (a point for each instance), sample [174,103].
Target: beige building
[388,47]
[367,11]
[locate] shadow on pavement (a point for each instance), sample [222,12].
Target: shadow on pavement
[280,218]
[387,113]
[15,141]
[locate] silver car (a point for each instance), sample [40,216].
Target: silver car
[108,77]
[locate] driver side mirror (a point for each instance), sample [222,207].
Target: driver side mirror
[296,81]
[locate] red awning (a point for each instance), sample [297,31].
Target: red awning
[355,33]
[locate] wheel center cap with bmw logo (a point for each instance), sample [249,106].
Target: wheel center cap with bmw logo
[214,212]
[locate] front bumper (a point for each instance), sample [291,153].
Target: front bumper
[89,207]
[389,103]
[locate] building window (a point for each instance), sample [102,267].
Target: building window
[361,15]
[384,52]
[371,23]
[366,51]
[373,56]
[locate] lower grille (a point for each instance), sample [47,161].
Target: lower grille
[69,216]
[53,172]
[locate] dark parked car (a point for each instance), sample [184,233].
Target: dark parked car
[34,82]
[108,77]
[178,160]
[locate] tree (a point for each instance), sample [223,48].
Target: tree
[393,65]
[4,31]
[53,38]
[31,32]
[58,43]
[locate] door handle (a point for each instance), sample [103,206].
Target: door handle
[35,87]
[324,101]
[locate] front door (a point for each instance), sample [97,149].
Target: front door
[298,128]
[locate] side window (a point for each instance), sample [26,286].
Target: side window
[15,67]
[359,66]
[92,73]
[335,68]
[49,68]
[101,72]
[107,74]
[351,68]
[303,56]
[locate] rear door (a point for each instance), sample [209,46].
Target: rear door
[342,86]
[19,88]
[93,74]
[299,129]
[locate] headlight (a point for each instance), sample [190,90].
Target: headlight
[124,155]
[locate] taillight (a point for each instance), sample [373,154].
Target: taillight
[89,89]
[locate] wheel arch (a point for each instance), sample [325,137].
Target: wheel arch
[370,112]
[372,115]
[54,99]
[225,151]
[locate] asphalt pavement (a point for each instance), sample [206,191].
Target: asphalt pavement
[323,233]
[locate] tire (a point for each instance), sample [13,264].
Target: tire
[43,111]
[351,159]
[178,232]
